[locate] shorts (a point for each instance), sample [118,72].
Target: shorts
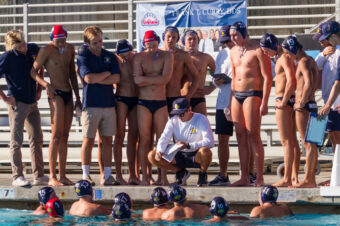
[103,119]
[223,126]
[186,160]
[333,123]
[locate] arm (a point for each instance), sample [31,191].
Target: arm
[255,212]
[192,71]
[138,71]
[166,73]
[73,78]
[288,68]
[86,74]
[166,136]
[307,86]
[93,78]
[208,137]
[112,79]
[39,87]
[37,65]
[331,99]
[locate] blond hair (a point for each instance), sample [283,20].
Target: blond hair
[13,38]
[90,32]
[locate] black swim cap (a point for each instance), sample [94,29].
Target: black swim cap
[123,46]
[176,193]
[159,197]
[269,194]
[83,188]
[172,29]
[44,194]
[269,41]
[123,198]
[219,207]
[241,28]
[292,44]
[121,212]
[189,32]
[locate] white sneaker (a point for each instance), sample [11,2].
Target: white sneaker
[41,181]
[21,182]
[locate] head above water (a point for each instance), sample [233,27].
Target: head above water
[159,197]
[121,212]
[55,208]
[123,198]
[269,194]
[83,188]
[219,207]
[45,194]
[176,193]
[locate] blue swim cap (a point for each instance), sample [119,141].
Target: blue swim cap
[172,29]
[159,197]
[269,194]
[219,207]
[55,208]
[176,193]
[44,194]
[291,44]
[189,32]
[123,46]
[241,28]
[83,188]
[269,41]
[121,212]
[123,198]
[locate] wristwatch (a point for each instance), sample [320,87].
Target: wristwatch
[188,146]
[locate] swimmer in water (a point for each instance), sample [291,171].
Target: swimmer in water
[45,194]
[159,199]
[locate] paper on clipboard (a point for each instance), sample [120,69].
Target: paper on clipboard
[316,129]
[171,151]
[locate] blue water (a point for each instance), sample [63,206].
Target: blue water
[24,217]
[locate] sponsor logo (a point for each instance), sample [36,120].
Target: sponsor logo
[150,19]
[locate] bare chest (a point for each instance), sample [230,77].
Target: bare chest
[152,65]
[57,60]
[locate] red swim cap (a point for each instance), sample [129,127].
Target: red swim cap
[150,36]
[58,32]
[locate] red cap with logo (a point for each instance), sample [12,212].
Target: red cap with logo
[58,32]
[150,36]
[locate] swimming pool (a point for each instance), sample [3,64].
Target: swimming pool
[24,217]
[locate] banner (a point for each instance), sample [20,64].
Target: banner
[193,15]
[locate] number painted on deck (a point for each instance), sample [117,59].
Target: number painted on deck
[6,193]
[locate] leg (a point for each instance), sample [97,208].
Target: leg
[122,111]
[144,119]
[285,124]
[223,153]
[161,163]
[57,123]
[106,154]
[297,154]
[35,137]
[68,116]
[201,108]
[132,146]
[160,119]
[99,156]
[251,109]
[242,140]
[203,157]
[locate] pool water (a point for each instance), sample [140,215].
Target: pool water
[24,217]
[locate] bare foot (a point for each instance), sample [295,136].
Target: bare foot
[282,183]
[121,180]
[259,181]
[325,183]
[304,184]
[133,181]
[165,182]
[66,181]
[295,180]
[144,183]
[241,182]
[54,182]
[157,182]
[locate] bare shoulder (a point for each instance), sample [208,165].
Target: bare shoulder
[168,215]
[256,211]
[70,46]
[253,44]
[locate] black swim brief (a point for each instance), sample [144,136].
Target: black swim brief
[311,106]
[242,96]
[195,101]
[290,102]
[152,105]
[186,159]
[130,102]
[66,96]
[170,101]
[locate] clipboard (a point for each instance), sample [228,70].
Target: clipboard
[223,76]
[316,128]
[171,151]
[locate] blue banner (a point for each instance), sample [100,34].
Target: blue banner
[187,15]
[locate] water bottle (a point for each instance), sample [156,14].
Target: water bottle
[227,114]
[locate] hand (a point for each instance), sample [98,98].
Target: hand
[138,79]
[337,108]
[38,95]
[158,156]
[324,111]
[77,104]
[263,109]
[184,145]
[298,106]
[329,50]
[218,81]
[279,104]
[50,91]
[10,100]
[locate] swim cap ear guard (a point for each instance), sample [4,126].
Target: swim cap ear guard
[292,44]
[189,32]
[241,28]
[44,194]
[176,193]
[121,212]
[123,198]
[269,41]
[219,207]
[83,188]
[151,36]
[55,208]
[58,32]
[269,194]
[159,197]
[123,46]
[172,29]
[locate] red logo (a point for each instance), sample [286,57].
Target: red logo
[150,20]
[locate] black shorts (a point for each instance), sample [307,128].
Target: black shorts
[186,160]
[333,123]
[223,126]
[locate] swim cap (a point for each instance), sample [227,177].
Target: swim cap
[44,194]
[121,212]
[123,198]
[329,28]
[269,194]
[176,193]
[269,41]
[189,32]
[172,29]
[83,188]
[151,36]
[55,208]
[123,46]
[291,44]
[241,28]
[224,32]
[58,32]
[159,197]
[219,207]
